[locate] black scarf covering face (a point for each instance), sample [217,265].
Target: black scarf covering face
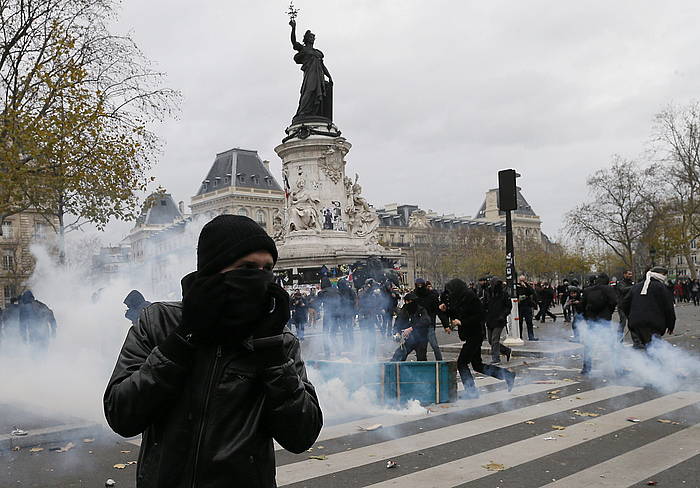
[243,306]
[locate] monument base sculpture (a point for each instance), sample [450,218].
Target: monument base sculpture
[326,221]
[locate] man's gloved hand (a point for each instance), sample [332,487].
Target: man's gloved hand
[273,323]
[267,340]
[202,305]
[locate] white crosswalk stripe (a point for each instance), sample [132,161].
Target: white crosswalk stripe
[292,473]
[627,470]
[467,469]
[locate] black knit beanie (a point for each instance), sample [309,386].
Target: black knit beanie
[227,238]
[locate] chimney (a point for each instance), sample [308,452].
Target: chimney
[181,207]
[266,163]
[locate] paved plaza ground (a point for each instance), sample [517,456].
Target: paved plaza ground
[556,429]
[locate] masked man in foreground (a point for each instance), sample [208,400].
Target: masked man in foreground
[212,380]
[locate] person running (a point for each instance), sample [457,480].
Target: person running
[430,301]
[526,303]
[498,306]
[463,311]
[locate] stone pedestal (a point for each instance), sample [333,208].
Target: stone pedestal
[326,219]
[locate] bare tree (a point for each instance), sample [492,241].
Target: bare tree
[623,199]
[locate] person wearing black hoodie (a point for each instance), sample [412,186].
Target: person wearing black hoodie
[598,303]
[412,322]
[498,306]
[36,322]
[649,307]
[135,302]
[461,308]
[348,310]
[430,301]
[329,297]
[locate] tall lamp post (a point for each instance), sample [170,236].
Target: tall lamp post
[507,202]
[652,255]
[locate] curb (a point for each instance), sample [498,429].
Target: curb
[49,435]
[524,353]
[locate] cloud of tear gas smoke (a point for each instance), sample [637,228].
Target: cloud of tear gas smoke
[338,401]
[662,366]
[68,380]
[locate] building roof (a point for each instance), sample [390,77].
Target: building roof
[524,208]
[159,209]
[399,216]
[241,168]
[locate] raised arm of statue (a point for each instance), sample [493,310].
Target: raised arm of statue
[325,72]
[295,44]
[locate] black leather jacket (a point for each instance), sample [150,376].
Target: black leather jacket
[211,423]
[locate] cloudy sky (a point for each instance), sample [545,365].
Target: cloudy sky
[435,96]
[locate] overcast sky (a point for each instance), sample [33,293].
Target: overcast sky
[435,96]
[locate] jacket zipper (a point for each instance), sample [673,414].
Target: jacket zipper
[203,421]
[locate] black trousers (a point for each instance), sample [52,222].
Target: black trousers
[544,312]
[410,345]
[471,354]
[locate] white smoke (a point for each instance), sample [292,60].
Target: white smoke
[662,366]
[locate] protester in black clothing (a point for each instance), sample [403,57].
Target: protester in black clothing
[545,300]
[212,381]
[622,287]
[36,322]
[694,287]
[370,304]
[598,303]
[562,296]
[430,301]
[391,303]
[526,302]
[329,298]
[11,334]
[575,309]
[498,306]
[463,310]
[300,312]
[412,323]
[135,303]
[649,307]
[348,309]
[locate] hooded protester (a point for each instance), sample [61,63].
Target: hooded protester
[498,306]
[526,305]
[573,306]
[430,301]
[623,287]
[329,298]
[11,334]
[562,296]
[545,299]
[370,306]
[463,310]
[412,322]
[649,307]
[36,322]
[135,302]
[300,312]
[212,380]
[391,304]
[348,308]
[598,303]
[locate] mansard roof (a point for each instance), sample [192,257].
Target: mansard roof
[241,168]
[159,209]
[524,208]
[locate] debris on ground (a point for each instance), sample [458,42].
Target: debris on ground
[110,482]
[553,392]
[119,466]
[36,449]
[651,483]
[545,382]
[319,458]
[16,448]
[585,414]
[18,432]
[493,466]
[446,406]
[391,464]
[530,422]
[633,419]
[125,452]
[88,441]
[370,428]
[65,448]
[558,427]
[550,438]
[320,447]
[666,421]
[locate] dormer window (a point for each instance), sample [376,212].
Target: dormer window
[216,181]
[240,177]
[205,184]
[255,179]
[227,179]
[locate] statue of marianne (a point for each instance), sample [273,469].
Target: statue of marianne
[316,92]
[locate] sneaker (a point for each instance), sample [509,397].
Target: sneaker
[533,339]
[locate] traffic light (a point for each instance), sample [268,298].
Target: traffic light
[507,191]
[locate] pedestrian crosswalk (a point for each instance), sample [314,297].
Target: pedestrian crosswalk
[584,434]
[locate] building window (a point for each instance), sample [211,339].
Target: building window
[7,230]
[260,218]
[8,261]
[693,244]
[40,230]
[9,292]
[242,211]
[679,259]
[255,179]
[240,177]
[216,182]
[695,259]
